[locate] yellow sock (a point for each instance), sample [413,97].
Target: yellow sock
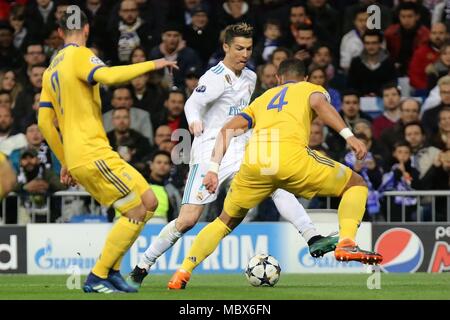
[119,240]
[119,261]
[205,243]
[351,210]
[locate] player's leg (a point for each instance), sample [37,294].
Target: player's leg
[113,182]
[204,244]
[350,213]
[245,192]
[291,209]
[168,236]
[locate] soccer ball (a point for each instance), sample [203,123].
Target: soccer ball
[263,270]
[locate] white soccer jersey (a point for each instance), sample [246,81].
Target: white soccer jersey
[219,96]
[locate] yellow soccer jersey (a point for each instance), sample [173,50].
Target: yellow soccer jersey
[68,87]
[283,114]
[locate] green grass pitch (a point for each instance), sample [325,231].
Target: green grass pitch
[236,287]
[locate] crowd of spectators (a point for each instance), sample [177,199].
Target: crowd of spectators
[404,66]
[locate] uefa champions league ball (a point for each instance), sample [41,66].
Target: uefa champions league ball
[263,270]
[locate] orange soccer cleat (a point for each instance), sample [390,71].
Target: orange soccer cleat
[179,280]
[347,250]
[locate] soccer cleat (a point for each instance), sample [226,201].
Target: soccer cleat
[136,277]
[119,282]
[347,250]
[323,245]
[98,285]
[179,280]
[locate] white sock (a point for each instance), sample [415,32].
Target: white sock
[166,239]
[291,210]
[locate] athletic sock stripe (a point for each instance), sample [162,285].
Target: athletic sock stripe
[116,178]
[107,177]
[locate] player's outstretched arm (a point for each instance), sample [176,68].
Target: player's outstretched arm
[233,128]
[333,119]
[121,74]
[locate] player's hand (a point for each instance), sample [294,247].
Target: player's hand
[162,63]
[196,128]
[66,178]
[358,147]
[210,181]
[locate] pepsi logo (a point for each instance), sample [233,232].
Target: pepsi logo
[402,250]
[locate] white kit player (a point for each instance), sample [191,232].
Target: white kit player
[223,91]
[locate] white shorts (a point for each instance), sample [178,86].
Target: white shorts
[195,192]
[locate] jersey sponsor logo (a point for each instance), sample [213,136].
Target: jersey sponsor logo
[96,60]
[200,89]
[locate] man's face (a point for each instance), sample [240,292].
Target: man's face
[16,22]
[316,136]
[350,106]
[34,136]
[438,34]
[200,20]
[6,38]
[121,121]
[163,133]
[409,111]
[279,57]
[372,45]
[6,120]
[35,55]
[160,166]
[361,21]
[444,92]
[272,32]
[36,76]
[317,77]
[413,134]
[175,104]
[362,127]
[122,98]
[391,98]
[171,39]
[239,52]
[139,82]
[269,76]
[128,12]
[408,19]
[5,101]
[305,38]
[322,57]
[444,121]
[297,16]
[60,10]
[29,163]
[54,40]
[402,154]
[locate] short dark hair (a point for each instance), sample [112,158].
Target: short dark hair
[349,92]
[274,22]
[64,25]
[293,67]
[114,110]
[402,143]
[241,29]
[390,85]
[408,6]
[414,123]
[371,33]
[305,27]
[176,91]
[158,153]
[281,49]
[38,65]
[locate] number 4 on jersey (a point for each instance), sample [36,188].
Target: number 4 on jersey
[280,98]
